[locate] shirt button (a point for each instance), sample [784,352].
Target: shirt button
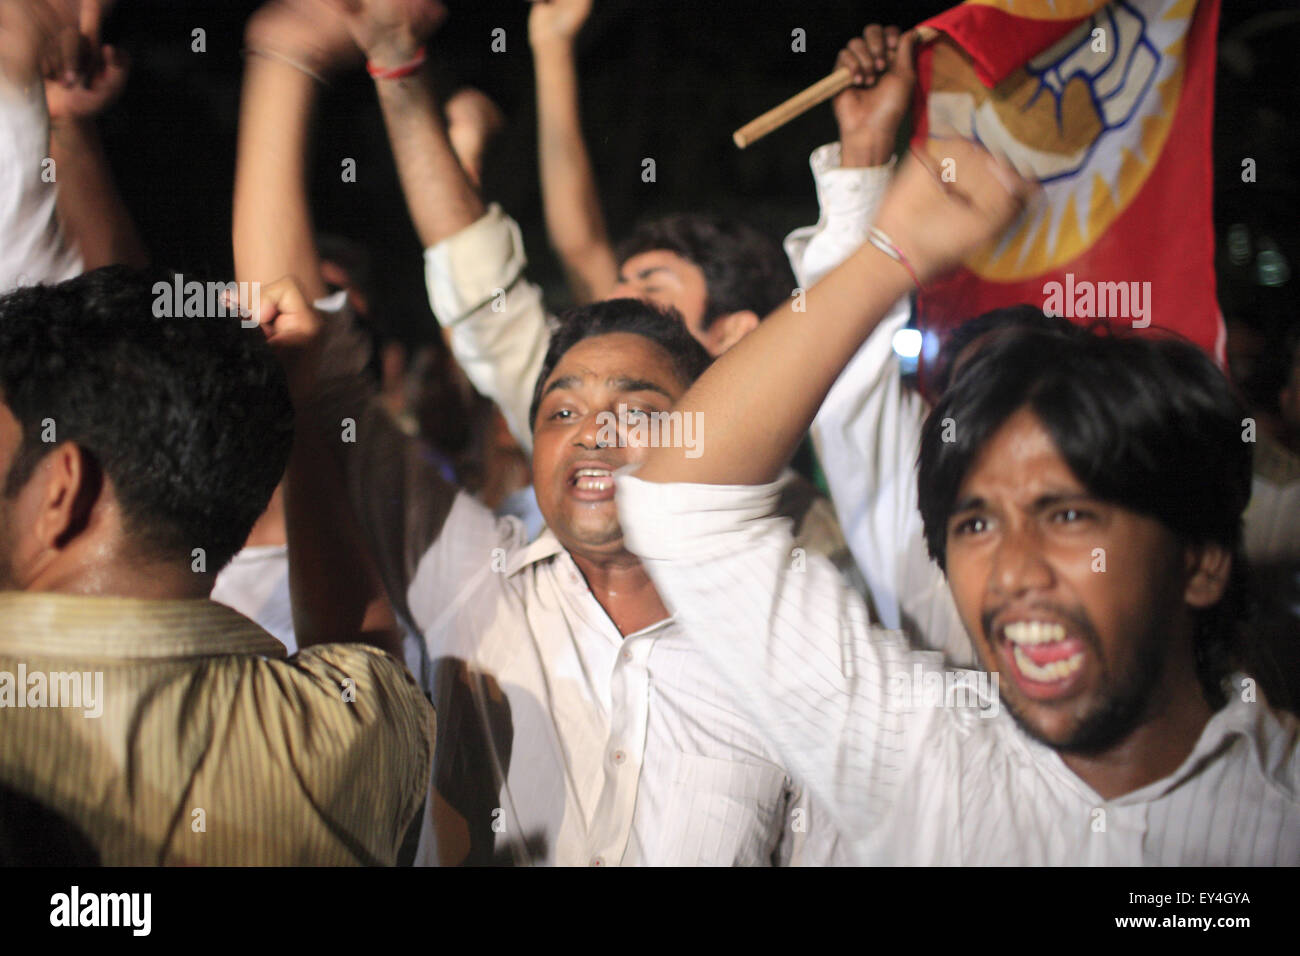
[627,655]
[619,756]
[597,861]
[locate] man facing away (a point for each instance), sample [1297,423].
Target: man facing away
[136,451]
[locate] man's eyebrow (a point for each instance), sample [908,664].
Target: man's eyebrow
[651,270]
[1051,500]
[622,383]
[564,381]
[969,503]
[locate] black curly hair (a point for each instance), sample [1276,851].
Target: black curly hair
[189,418]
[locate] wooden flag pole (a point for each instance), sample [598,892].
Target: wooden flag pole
[797,105]
[801,103]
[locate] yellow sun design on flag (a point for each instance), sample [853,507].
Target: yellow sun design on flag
[1088,118]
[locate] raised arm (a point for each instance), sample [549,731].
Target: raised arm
[439,194]
[90,207]
[285,43]
[757,400]
[337,595]
[474,259]
[574,221]
[39,39]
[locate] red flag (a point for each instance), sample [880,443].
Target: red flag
[1110,106]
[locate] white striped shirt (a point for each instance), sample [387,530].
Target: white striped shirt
[911,783]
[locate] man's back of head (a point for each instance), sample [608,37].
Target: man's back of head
[138,444]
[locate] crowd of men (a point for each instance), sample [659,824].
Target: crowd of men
[1014,631]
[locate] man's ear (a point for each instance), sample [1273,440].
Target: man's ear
[1209,568]
[71,483]
[726,330]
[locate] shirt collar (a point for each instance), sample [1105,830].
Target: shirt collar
[1237,718]
[545,546]
[64,625]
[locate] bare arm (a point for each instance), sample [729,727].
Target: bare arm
[90,208]
[574,221]
[272,227]
[337,596]
[750,432]
[439,194]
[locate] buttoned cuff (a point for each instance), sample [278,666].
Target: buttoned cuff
[466,271]
[692,522]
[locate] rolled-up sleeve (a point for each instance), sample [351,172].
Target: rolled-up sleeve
[847,201]
[498,326]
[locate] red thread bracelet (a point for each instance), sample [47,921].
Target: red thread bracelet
[881,241]
[398,72]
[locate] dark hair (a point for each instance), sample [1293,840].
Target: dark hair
[189,417]
[744,270]
[663,327]
[1011,317]
[1146,422]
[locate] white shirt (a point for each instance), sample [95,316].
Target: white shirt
[256,584]
[34,249]
[553,728]
[868,430]
[911,782]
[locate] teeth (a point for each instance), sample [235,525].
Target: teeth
[593,479]
[1055,671]
[1034,632]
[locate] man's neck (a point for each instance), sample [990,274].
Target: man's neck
[157,582]
[1155,748]
[622,587]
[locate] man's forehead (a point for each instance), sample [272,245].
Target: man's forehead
[1020,456]
[619,359]
[644,265]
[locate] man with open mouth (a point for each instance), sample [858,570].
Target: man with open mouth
[578,725]
[1083,494]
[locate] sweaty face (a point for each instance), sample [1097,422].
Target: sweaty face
[1072,601]
[581,435]
[666,279]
